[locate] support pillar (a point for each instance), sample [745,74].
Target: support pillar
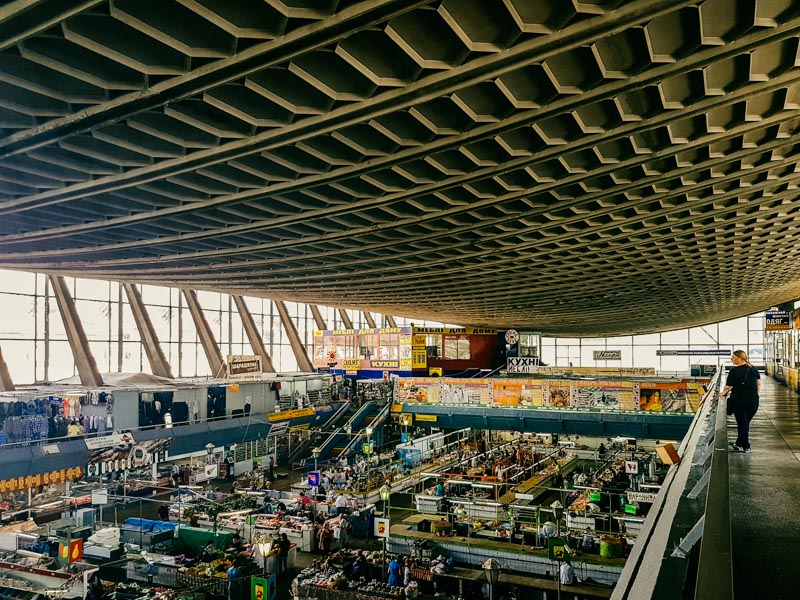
[348,324]
[369,319]
[210,346]
[303,362]
[6,385]
[147,333]
[320,322]
[84,361]
[256,343]
[390,320]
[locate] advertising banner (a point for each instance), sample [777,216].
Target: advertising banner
[607,354]
[464,391]
[417,389]
[556,393]
[106,441]
[125,457]
[651,395]
[517,392]
[603,394]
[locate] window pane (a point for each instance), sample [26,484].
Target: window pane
[703,335]
[733,332]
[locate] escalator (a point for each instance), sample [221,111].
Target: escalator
[341,437]
[374,419]
[345,411]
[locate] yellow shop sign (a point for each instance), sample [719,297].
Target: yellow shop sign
[285,415]
[427,418]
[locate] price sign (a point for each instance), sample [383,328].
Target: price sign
[313,478]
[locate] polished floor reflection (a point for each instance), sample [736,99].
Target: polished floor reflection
[765,499]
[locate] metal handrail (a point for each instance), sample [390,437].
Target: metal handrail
[653,570]
[715,565]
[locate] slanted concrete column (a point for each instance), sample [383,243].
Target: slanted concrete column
[155,355]
[390,320]
[6,385]
[84,361]
[256,343]
[207,339]
[348,324]
[368,317]
[303,362]
[320,322]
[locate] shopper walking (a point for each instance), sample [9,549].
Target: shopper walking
[395,576]
[743,385]
[370,527]
[326,538]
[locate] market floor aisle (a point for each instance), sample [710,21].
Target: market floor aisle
[764,492]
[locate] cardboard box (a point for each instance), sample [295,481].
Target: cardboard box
[668,454]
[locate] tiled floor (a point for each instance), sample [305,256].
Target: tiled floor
[765,499]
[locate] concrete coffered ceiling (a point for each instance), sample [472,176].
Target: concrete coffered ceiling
[579,167]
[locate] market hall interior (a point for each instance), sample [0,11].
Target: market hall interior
[244,243]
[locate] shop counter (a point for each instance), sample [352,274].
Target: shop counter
[522,558]
[481,509]
[273,564]
[428,504]
[303,538]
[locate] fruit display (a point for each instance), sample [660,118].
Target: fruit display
[326,582]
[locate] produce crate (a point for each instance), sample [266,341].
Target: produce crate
[421,574]
[214,586]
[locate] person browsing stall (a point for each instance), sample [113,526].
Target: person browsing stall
[284,545]
[341,504]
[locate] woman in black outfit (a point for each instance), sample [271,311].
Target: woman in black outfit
[743,384]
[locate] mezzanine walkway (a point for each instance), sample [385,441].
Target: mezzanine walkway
[765,499]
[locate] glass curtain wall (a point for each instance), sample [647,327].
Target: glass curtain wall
[35,347]
[34,342]
[745,333]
